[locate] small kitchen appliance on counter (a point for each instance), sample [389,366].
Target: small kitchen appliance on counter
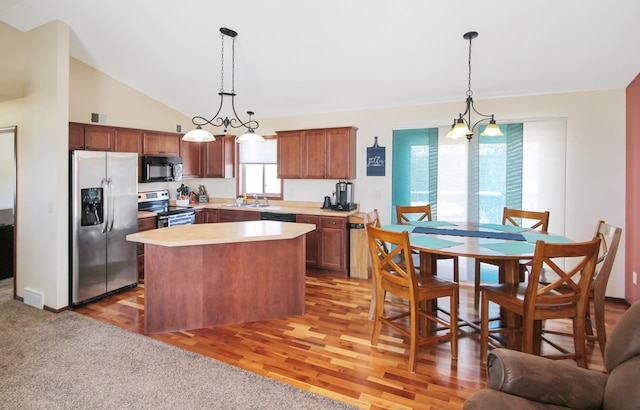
[344,197]
[168,215]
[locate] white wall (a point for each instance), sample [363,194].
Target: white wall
[42,145]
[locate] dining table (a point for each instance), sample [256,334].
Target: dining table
[510,244]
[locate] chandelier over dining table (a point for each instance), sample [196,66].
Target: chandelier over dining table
[462,126]
[201,135]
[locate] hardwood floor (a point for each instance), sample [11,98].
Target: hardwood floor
[327,350]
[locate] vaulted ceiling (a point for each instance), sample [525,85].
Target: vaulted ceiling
[304,57]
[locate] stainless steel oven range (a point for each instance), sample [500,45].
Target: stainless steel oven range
[168,215]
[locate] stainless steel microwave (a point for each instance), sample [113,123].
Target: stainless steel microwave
[161,169]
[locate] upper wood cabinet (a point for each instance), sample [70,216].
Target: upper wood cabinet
[289,154]
[328,153]
[90,137]
[129,140]
[218,157]
[166,145]
[191,159]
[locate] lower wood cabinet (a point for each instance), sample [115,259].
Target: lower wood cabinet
[327,246]
[210,216]
[199,215]
[231,215]
[144,224]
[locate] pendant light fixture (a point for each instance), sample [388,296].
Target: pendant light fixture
[461,126]
[200,135]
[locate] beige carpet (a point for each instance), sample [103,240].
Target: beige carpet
[68,361]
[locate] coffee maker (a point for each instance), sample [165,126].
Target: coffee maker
[344,197]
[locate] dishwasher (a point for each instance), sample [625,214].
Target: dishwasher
[277,216]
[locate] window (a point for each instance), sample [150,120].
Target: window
[474,181]
[415,160]
[258,169]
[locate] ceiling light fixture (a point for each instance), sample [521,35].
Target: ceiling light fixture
[462,126]
[200,135]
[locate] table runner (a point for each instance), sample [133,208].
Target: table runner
[463,232]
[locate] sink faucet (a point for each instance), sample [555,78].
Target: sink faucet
[255,199]
[266,200]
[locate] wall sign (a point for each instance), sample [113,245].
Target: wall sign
[375,159]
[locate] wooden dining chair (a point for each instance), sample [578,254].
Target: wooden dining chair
[574,264]
[515,217]
[609,240]
[411,293]
[407,214]
[372,218]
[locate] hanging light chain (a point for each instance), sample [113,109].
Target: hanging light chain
[222,64]
[469,92]
[233,65]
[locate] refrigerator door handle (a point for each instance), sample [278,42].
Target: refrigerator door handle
[111,203]
[104,184]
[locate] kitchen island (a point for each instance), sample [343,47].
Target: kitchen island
[206,275]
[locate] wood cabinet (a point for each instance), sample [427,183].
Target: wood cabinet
[144,224]
[327,245]
[218,158]
[289,154]
[232,215]
[90,137]
[312,238]
[129,140]
[199,216]
[327,153]
[191,159]
[210,216]
[161,144]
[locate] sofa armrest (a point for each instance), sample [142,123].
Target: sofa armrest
[543,380]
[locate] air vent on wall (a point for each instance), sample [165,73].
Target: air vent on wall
[97,118]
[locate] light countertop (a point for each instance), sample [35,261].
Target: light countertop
[301,208]
[227,232]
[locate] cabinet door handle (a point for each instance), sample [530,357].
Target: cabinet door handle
[332,223]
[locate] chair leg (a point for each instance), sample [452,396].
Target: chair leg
[528,331]
[372,306]
[537,337]
[601,332]
[380,296]
[453,322]
[413,338]
[476,286]
[484,329]
[579,340]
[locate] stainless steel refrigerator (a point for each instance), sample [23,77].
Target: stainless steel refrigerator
[103,211]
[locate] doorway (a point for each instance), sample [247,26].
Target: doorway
[7,201]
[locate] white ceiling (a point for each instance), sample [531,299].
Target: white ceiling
[304,57]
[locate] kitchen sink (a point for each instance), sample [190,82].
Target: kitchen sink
[252,205]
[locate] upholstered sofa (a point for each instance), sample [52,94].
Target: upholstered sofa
[521,381]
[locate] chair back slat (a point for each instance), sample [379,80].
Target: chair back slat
[609,240]
[536,220]
[575,278]
[406,214]
[391,258]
